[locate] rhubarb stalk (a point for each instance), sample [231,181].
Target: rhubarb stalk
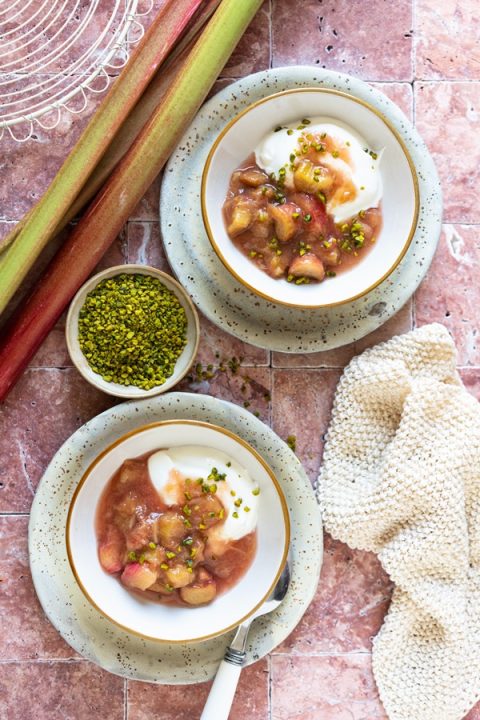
[41,222]
[129,130]
[140,114]
[125,187]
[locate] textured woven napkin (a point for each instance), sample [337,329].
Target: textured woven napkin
[401,477]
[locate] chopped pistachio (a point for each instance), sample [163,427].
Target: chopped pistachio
[132,316]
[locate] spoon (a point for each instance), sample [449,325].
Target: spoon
[222,692]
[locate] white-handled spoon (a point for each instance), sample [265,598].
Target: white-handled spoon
[222,692]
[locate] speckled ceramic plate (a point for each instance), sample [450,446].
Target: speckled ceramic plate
[231,305]
[89,632]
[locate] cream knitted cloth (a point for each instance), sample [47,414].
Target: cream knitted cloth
[401,477]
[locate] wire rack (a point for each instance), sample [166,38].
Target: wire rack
[53,53]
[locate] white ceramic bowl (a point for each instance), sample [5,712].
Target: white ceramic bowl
[400,203]
[183,363]
[151,619]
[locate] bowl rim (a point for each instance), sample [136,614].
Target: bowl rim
[130,268]
[160,423]
[216,247]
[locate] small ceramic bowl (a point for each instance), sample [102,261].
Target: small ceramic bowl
[400,202]
[168,623]
[183,363]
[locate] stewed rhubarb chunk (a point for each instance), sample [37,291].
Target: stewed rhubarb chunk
[326,186]
[139,577]
[307,266]
[156,542]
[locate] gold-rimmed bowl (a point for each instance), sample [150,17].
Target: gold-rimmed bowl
[167,623]
[400,201]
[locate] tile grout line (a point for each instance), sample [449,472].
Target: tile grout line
[270,33]
[414,61]
[414,48]
[339,654]
[270,687]
[44,661]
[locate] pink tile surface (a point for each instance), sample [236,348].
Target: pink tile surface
[248,387]
[42,411]
[399,323]
[184,703]
[471,380]
[326,688]
[27,634]
[400,93]
[448,117]
[322,671]
[348,609]
[219,346]
[345,36]
[474,714]
[28,168]
[302,400]
[74,690]
[450,292]
[438,57]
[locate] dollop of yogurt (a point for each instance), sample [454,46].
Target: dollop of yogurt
[363,168]
[165,467]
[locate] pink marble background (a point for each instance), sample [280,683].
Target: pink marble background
[423,54]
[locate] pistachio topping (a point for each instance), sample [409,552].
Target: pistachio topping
[132,330]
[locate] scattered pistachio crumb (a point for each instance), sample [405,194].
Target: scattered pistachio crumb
[292,442]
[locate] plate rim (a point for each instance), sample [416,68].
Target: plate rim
[37,525]
[367,313]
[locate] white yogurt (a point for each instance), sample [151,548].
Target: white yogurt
[194,462]
[274,151]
